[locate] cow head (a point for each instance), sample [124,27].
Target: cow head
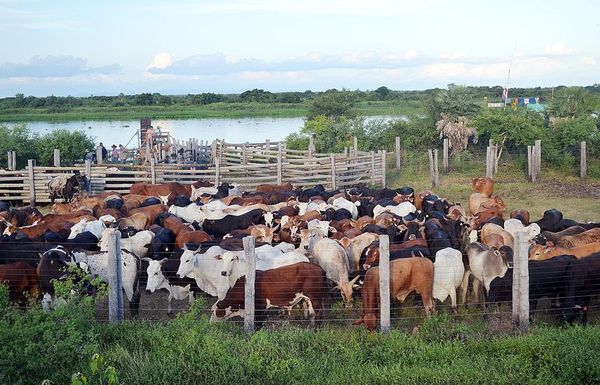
[307,239]
[227,260]
[538,252]
[187,262]
[268,218]
[371,256]
[156,278]
[507,254]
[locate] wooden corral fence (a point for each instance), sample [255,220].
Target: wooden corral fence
[272,166]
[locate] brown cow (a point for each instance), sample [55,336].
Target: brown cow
[140,221]
[522,215]
[51,222]
[541,253]
[420,197]
[183,233]
[114,212]
[269,188]
[484,186]
[283,287]
[554,237]
[262,233]
[581,239]
[151,211]
[493,241]
[481,218]
[21,279]
[169,190]
[406,275]
[479,202]
[491,228]
[363,221]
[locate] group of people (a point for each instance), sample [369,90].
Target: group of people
[117,154]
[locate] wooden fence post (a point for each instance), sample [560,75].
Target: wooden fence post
[529,164]
[432,168]
[9,159]
[279,164]
[520,309]
[56,157]
[311,146]
[217,171]
[373,181]
[30,172]
[445,155]
[99,155]
[435,167]
[213,150]
[115,277]
[268,145]
[14,160]
[249,252]
[538,159]
[333,172]
[355,145]
[384,283]
[383,167]
[152,171]
[88,175]
[489,168]
[583,162]
[244,149]
[397,153]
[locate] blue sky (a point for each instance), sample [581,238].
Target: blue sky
[106,47]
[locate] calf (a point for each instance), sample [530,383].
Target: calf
[157,281]
[406,275]
[577,240]
[283,287]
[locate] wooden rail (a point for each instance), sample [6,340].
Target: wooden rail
[330,170]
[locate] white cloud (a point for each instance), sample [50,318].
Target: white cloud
[54,67]
[558,48]
[161,61]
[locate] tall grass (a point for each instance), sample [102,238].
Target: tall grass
[214,110]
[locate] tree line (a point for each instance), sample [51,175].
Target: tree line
[62,104]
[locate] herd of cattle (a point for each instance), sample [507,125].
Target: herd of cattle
[310,243]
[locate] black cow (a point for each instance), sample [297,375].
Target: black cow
[114,203]
[583,285]
[22,250]
[4,206]
[163,243]
[305,195]
[553,221]
[547,279]
[437,236]
[220,227]
[77,183]
[222,191]
[151,202]
[182,201]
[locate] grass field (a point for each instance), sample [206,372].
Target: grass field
[215,110]
[556,189]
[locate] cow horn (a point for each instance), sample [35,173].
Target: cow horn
[185,248]
[354,280]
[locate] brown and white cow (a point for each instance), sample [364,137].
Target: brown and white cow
[283,287]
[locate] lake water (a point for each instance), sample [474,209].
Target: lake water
[232,130]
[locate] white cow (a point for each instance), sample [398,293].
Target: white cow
[157,281]
[97,263]
[199,191]
[196,213]
[137,244]
[217,270]
[514,225]
[402,209]
[343,203]
[448,272]
[317,205]
[333,259]
[95,227]
[320,227]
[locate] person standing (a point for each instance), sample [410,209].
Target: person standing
[122,153]
[114,155]
[104,151]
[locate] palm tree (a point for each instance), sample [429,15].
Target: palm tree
[452,110]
